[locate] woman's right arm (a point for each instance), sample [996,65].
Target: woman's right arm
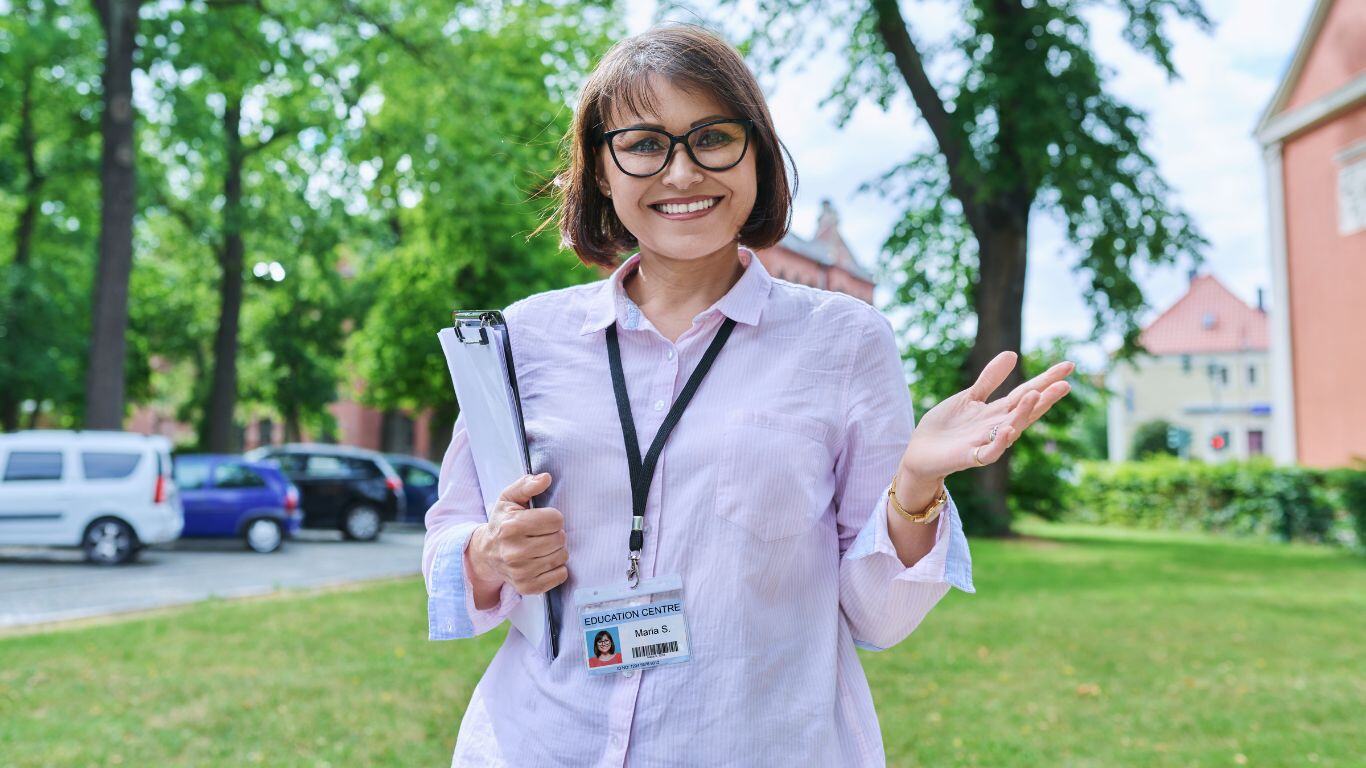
[477,565]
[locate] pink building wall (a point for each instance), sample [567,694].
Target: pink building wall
[1327,292]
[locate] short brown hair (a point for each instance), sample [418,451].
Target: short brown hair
[693,59]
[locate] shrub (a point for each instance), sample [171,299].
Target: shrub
[1252,497]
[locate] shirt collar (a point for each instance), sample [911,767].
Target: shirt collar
[743,303]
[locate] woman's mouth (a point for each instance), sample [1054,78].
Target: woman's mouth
[683,210]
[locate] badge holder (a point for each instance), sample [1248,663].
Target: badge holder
[625,628]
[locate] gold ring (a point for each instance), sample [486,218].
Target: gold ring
[977,458]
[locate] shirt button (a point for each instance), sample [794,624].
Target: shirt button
[628,673]
[671,354]
[616,740]
[659,405]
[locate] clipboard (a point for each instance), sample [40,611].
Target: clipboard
[478,351]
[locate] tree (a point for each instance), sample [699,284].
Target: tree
[1154,438]
[48,157]
[239,81]
[104,384]
[1021,123]
[455,195]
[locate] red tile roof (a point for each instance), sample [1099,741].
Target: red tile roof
[1209,318]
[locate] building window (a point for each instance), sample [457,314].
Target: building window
[1185,363]
[1252,375]
[1254,442]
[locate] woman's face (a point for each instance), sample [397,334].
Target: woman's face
[604,644]
[679,236]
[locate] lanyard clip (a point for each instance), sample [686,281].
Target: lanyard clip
[633,573]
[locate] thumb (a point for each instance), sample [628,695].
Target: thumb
[524,488]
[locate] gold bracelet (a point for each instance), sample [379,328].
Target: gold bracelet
[931,512]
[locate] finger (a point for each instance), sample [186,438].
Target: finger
[530,568]
[526,487]
[539,546]
[992,375]
[546,581]
[1050,397]
[539,522]
[993,450]
[1055,373]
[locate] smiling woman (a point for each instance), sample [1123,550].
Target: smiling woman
[721,576]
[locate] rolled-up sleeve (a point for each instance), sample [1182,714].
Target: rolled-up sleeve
[458,510]
[882,599]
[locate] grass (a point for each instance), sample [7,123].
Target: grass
[1083,647]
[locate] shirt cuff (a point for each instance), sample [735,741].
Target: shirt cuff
[451,613]
[948,562]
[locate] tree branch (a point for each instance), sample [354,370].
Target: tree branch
[953,143]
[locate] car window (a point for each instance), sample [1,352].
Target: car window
[236,476]
[324,467]
[292,463]
[108,465]
[417,477]
[190,475]
[33,465]
[364,468]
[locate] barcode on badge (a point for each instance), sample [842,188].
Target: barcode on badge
[658,649]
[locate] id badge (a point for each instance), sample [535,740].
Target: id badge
[624,628]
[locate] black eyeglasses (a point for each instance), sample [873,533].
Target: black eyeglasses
[715,146]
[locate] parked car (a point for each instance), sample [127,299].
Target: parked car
[350,489]
[227,496]
[419,478]
[110,493]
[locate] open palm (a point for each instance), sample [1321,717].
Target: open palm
[956,434]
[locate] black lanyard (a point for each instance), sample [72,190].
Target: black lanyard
[642,472]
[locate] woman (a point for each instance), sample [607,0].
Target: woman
[791,497]
[605,651]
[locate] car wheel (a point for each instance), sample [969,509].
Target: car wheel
[110,542]
[264,535]
[362,523]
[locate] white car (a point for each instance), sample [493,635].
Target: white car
[109,493]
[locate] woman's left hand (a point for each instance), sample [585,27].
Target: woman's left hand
[957,433]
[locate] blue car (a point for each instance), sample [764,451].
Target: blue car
[419,484]
[227,496]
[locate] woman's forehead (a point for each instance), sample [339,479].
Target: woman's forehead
[660,102]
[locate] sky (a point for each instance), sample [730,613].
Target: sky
[1200,134]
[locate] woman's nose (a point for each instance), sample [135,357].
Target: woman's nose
[681,172]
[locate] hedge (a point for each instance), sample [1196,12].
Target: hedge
[1249,497]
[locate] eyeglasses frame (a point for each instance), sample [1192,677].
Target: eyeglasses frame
[675,141]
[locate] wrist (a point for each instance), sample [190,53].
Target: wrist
[477,560]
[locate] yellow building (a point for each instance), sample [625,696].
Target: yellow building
[1205,371]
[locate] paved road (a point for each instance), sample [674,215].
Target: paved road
[38,586]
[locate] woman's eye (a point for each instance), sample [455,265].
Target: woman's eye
[645,145]
[717,138]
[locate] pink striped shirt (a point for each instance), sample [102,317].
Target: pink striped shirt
[769,499]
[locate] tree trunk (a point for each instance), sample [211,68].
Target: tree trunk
[10,399]
[118,203]
[998,301]
[223,394]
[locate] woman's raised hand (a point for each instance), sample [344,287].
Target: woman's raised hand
[965,431]
[520,546]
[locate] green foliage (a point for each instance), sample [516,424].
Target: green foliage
[456,194]
[1349,485]
[1251,498]
[1151,439]
[49,203]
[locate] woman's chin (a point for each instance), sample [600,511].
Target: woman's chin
[683,247]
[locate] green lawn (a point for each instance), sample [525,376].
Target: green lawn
[1083,647]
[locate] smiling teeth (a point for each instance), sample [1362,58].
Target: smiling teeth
[686,207]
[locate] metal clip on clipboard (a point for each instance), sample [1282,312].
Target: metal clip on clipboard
[478,351]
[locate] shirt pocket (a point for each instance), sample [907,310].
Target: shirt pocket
[776,475]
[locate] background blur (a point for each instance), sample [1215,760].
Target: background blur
[230,229]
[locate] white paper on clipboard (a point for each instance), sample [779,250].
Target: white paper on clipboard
[485,389]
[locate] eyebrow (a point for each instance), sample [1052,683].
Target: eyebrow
[695,123]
